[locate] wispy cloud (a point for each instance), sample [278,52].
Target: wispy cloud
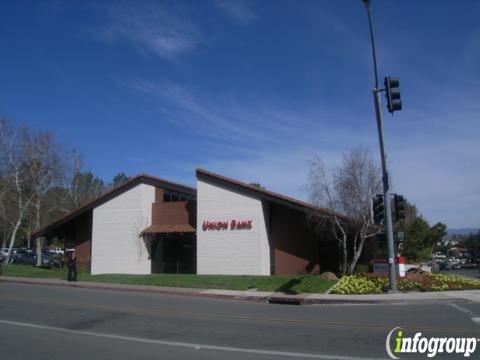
[434,166]
[260,125]
[255,141]
[151,28]
[239,10]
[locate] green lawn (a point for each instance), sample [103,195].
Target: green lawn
[288,284]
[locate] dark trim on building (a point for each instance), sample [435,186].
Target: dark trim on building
[271,239]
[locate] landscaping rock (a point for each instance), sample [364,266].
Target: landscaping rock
[327,275]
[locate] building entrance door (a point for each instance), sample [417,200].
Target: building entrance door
[174,254]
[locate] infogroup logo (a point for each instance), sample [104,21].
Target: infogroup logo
[419,344]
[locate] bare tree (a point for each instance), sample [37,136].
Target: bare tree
[17,192]
[346,191]
[30,164]
[42,169]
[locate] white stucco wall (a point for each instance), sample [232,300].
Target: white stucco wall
[116,245]
[237,252]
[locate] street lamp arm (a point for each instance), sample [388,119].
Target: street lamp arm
[367,5]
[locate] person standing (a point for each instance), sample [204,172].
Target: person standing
[72,266]
[1,263]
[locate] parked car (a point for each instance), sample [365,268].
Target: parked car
[30,258]
[456,265]
[50,260]
[4,251]
[25,258]
[57,251]
[444,265]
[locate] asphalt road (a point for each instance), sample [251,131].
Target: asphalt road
[472,273]
[42,322]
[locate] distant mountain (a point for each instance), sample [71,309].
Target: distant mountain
[463,231]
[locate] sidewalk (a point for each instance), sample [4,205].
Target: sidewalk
[261,296]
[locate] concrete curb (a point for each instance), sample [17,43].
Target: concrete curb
[260,297]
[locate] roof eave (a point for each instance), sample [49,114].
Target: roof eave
[139,179]
[264,194]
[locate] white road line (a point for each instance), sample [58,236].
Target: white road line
[475,319]
[462,309]
[181,344]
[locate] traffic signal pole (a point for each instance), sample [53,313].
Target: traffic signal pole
[386,194]
[385,177]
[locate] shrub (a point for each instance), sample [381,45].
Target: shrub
[405,284]
[376,284]
[379,280]
[361,269]
[441,282]
[357,284]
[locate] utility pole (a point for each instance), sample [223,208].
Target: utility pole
[385,176]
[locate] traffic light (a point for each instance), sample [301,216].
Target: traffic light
[399,201]
[392,88]
[378,209]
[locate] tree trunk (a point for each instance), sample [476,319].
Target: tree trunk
[4,241]
[39,245]
[356,255]
[343,270]
[12,238]
[39,241]
[342,240]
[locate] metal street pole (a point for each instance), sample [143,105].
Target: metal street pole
[386,194]
[385,176]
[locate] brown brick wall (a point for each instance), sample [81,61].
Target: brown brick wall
[298,247]
[83,240]
[173,213]
[78,233]
[295,246]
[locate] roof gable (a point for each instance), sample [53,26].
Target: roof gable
[258,192]
[139,179]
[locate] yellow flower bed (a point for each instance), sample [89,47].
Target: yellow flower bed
[374,284]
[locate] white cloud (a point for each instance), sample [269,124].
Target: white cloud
[237,9]
[151,28]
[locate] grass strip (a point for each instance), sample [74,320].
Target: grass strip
[288,284]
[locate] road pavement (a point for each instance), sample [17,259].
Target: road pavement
[47,322]
[471,273]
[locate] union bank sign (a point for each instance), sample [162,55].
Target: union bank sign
[227,225]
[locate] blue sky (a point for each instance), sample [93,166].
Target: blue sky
[252,89]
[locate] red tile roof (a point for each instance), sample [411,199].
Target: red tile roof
[168,229]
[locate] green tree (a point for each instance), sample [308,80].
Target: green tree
[257,186]
[85,187]
[419,237]
[119,179]
[415,232]
[472,243]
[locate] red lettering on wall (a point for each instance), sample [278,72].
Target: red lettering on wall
[240,224]
[223,225]
[215,225]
